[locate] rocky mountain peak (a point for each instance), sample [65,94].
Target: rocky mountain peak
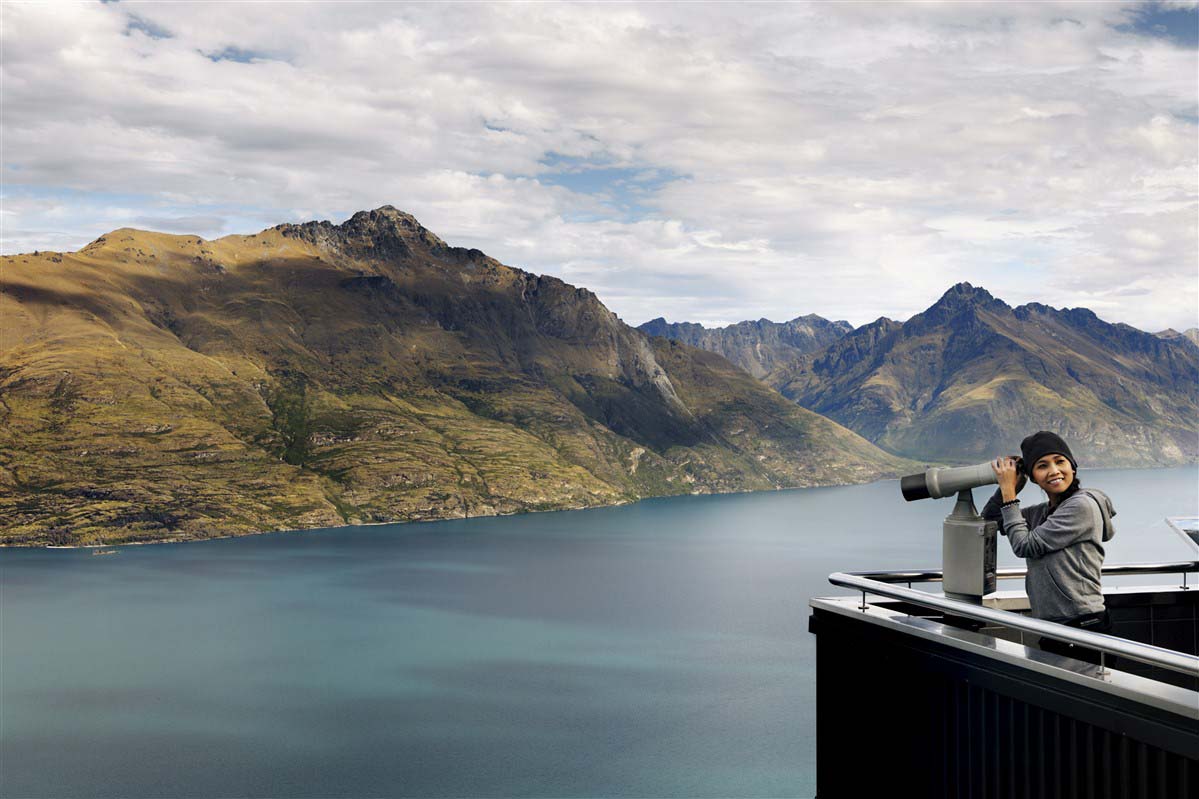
[385,219]
[1170,334]
[963,294]
[385,232]
[960,301]
[814,322]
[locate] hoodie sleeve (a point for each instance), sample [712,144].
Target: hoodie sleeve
[1073,521]
[992,511]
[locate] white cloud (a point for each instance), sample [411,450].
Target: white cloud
[841,158]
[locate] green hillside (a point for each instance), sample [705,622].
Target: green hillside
[157,387]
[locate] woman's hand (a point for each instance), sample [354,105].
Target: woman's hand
[1010,480]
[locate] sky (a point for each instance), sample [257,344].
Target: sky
[705,162]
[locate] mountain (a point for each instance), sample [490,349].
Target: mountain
[969,377]
[1191,335]
[757,347]
[157,387]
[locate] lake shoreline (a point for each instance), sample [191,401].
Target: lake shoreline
[191,539]
[185,540]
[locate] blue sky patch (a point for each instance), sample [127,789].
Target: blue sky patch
[1177,25]
[239,55]
[147,27]
[627,190]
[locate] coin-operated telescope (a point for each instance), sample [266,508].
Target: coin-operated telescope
[967,540]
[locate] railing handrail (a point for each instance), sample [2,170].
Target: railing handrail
[1145,653]
[1114,570]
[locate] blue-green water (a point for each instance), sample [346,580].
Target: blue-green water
[657,649]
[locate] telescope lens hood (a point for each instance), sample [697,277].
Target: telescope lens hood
[914,487]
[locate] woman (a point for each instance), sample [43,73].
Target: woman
[1061,539]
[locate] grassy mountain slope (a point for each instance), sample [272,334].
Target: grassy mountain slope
[158,387]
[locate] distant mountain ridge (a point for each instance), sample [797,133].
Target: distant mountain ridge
[1190,334]
[757,347]
[157,387]
[967,378]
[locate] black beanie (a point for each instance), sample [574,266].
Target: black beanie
[1038,445]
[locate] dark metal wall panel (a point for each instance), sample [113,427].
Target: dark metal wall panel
[899,715]
[1167,620]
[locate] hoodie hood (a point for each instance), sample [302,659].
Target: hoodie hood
[1106,509]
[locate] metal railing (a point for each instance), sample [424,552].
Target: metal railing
[1117,570]
[1104,644]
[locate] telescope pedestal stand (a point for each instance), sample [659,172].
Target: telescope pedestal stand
[967,555]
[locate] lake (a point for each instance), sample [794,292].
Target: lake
[655,649]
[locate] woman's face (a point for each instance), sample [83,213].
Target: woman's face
[1053,473]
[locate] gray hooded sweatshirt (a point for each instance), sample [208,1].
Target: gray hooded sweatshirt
[1064,550]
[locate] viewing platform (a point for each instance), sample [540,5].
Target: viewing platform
[924,695]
